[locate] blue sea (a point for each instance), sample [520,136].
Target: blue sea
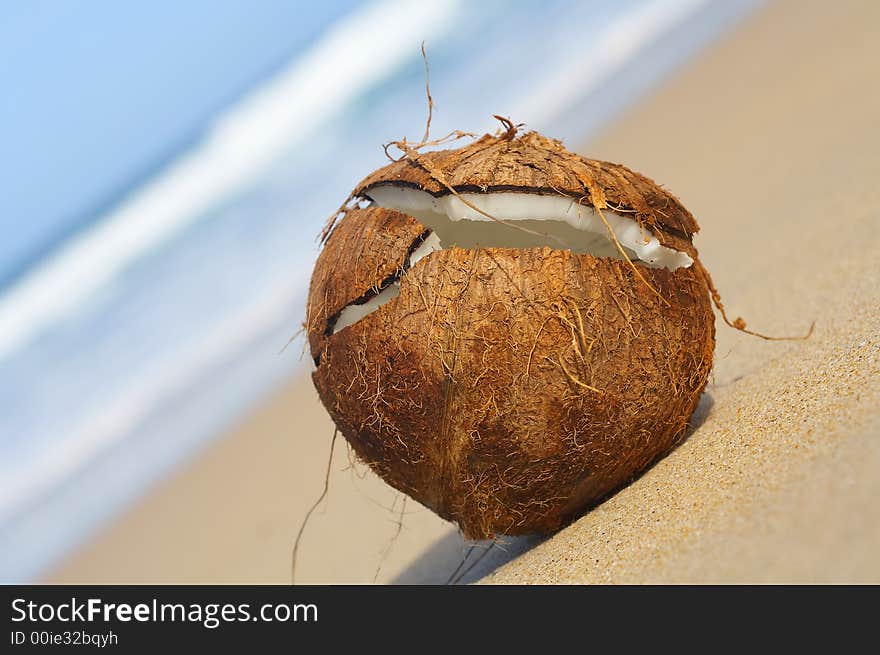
[166,171]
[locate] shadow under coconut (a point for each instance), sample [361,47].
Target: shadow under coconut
[454,560]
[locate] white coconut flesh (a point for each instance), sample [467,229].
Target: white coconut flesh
[530,220]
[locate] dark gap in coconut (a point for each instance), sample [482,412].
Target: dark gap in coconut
[470,190]
[528,220]
[525,220]
[386,290]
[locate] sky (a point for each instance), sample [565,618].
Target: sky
[97,95]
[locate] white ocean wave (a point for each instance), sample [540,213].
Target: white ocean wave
[585,65]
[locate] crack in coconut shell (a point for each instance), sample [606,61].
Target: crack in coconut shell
[556,221]
[529,159]
[532,163]
[459,221]
[375,257]
[376,290]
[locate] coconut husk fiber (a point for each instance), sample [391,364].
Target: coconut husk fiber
[533,163]
[509,389]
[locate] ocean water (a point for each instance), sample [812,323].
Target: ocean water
[127,347]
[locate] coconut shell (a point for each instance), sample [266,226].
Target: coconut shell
[533,163]
[509,389]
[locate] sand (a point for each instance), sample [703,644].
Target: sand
[772,139]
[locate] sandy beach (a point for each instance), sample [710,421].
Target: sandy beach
[772,139]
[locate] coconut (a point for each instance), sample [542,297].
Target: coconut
[507,331]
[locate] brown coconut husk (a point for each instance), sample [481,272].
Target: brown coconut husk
[532,163]
[505,389]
